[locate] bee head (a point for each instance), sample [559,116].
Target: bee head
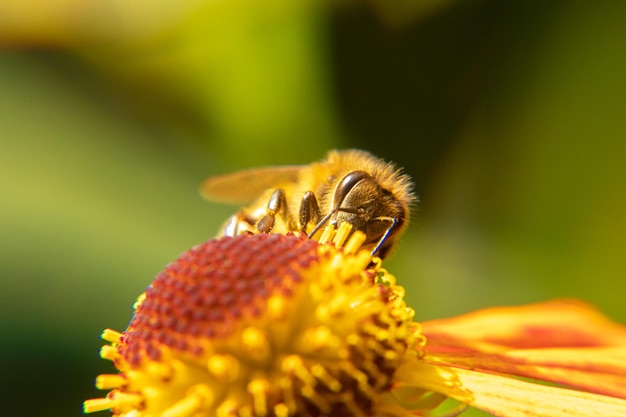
[360,200]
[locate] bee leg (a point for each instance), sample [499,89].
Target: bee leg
[276,205]
[309,210]
[381,250]
[232,226]
[237,224]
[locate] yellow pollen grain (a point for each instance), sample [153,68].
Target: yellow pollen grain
[380,334]
[111,335]
[320,337]
[255,342]
[97,404]
[281,410]
[224,368]
[391,355]
[108,352]
[323,313]
[109,381]
[276,308]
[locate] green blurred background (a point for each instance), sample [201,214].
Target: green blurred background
[511,118]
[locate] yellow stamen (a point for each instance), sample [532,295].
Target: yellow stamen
[108,352]
[140,300]
[327,234]
[259,389]
[224,368]
[322,374]
[198,397]
[277,308]
[363,380]
[294,365]
[111,336]
[255,342]
[354,243]
[281,410]
[312,395]
[97,404]
[319,338]
[342,234]
[227,408]
[286,388]
[159,370]
[126,401]
[107,381]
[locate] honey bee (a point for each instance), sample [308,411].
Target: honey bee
[347,186]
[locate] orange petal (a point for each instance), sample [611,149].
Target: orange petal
[508,397]
[559,323]
[598,370]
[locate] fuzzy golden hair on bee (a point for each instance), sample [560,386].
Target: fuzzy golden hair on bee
[339,163]
[350,186]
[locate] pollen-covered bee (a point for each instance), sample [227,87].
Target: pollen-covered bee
[347,186]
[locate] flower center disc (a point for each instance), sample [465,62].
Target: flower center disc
[208,290]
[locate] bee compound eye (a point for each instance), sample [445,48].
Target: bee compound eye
[347,184]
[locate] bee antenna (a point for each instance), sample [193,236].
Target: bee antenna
[321,223]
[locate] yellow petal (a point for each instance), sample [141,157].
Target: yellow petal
[598,370]
[559,323]
[508,397]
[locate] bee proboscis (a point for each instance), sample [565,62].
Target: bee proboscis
[347,186]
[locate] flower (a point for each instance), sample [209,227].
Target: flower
[282,325]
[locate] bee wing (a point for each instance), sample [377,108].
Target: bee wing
[245,186]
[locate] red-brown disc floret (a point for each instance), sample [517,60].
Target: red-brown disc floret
[210,288]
